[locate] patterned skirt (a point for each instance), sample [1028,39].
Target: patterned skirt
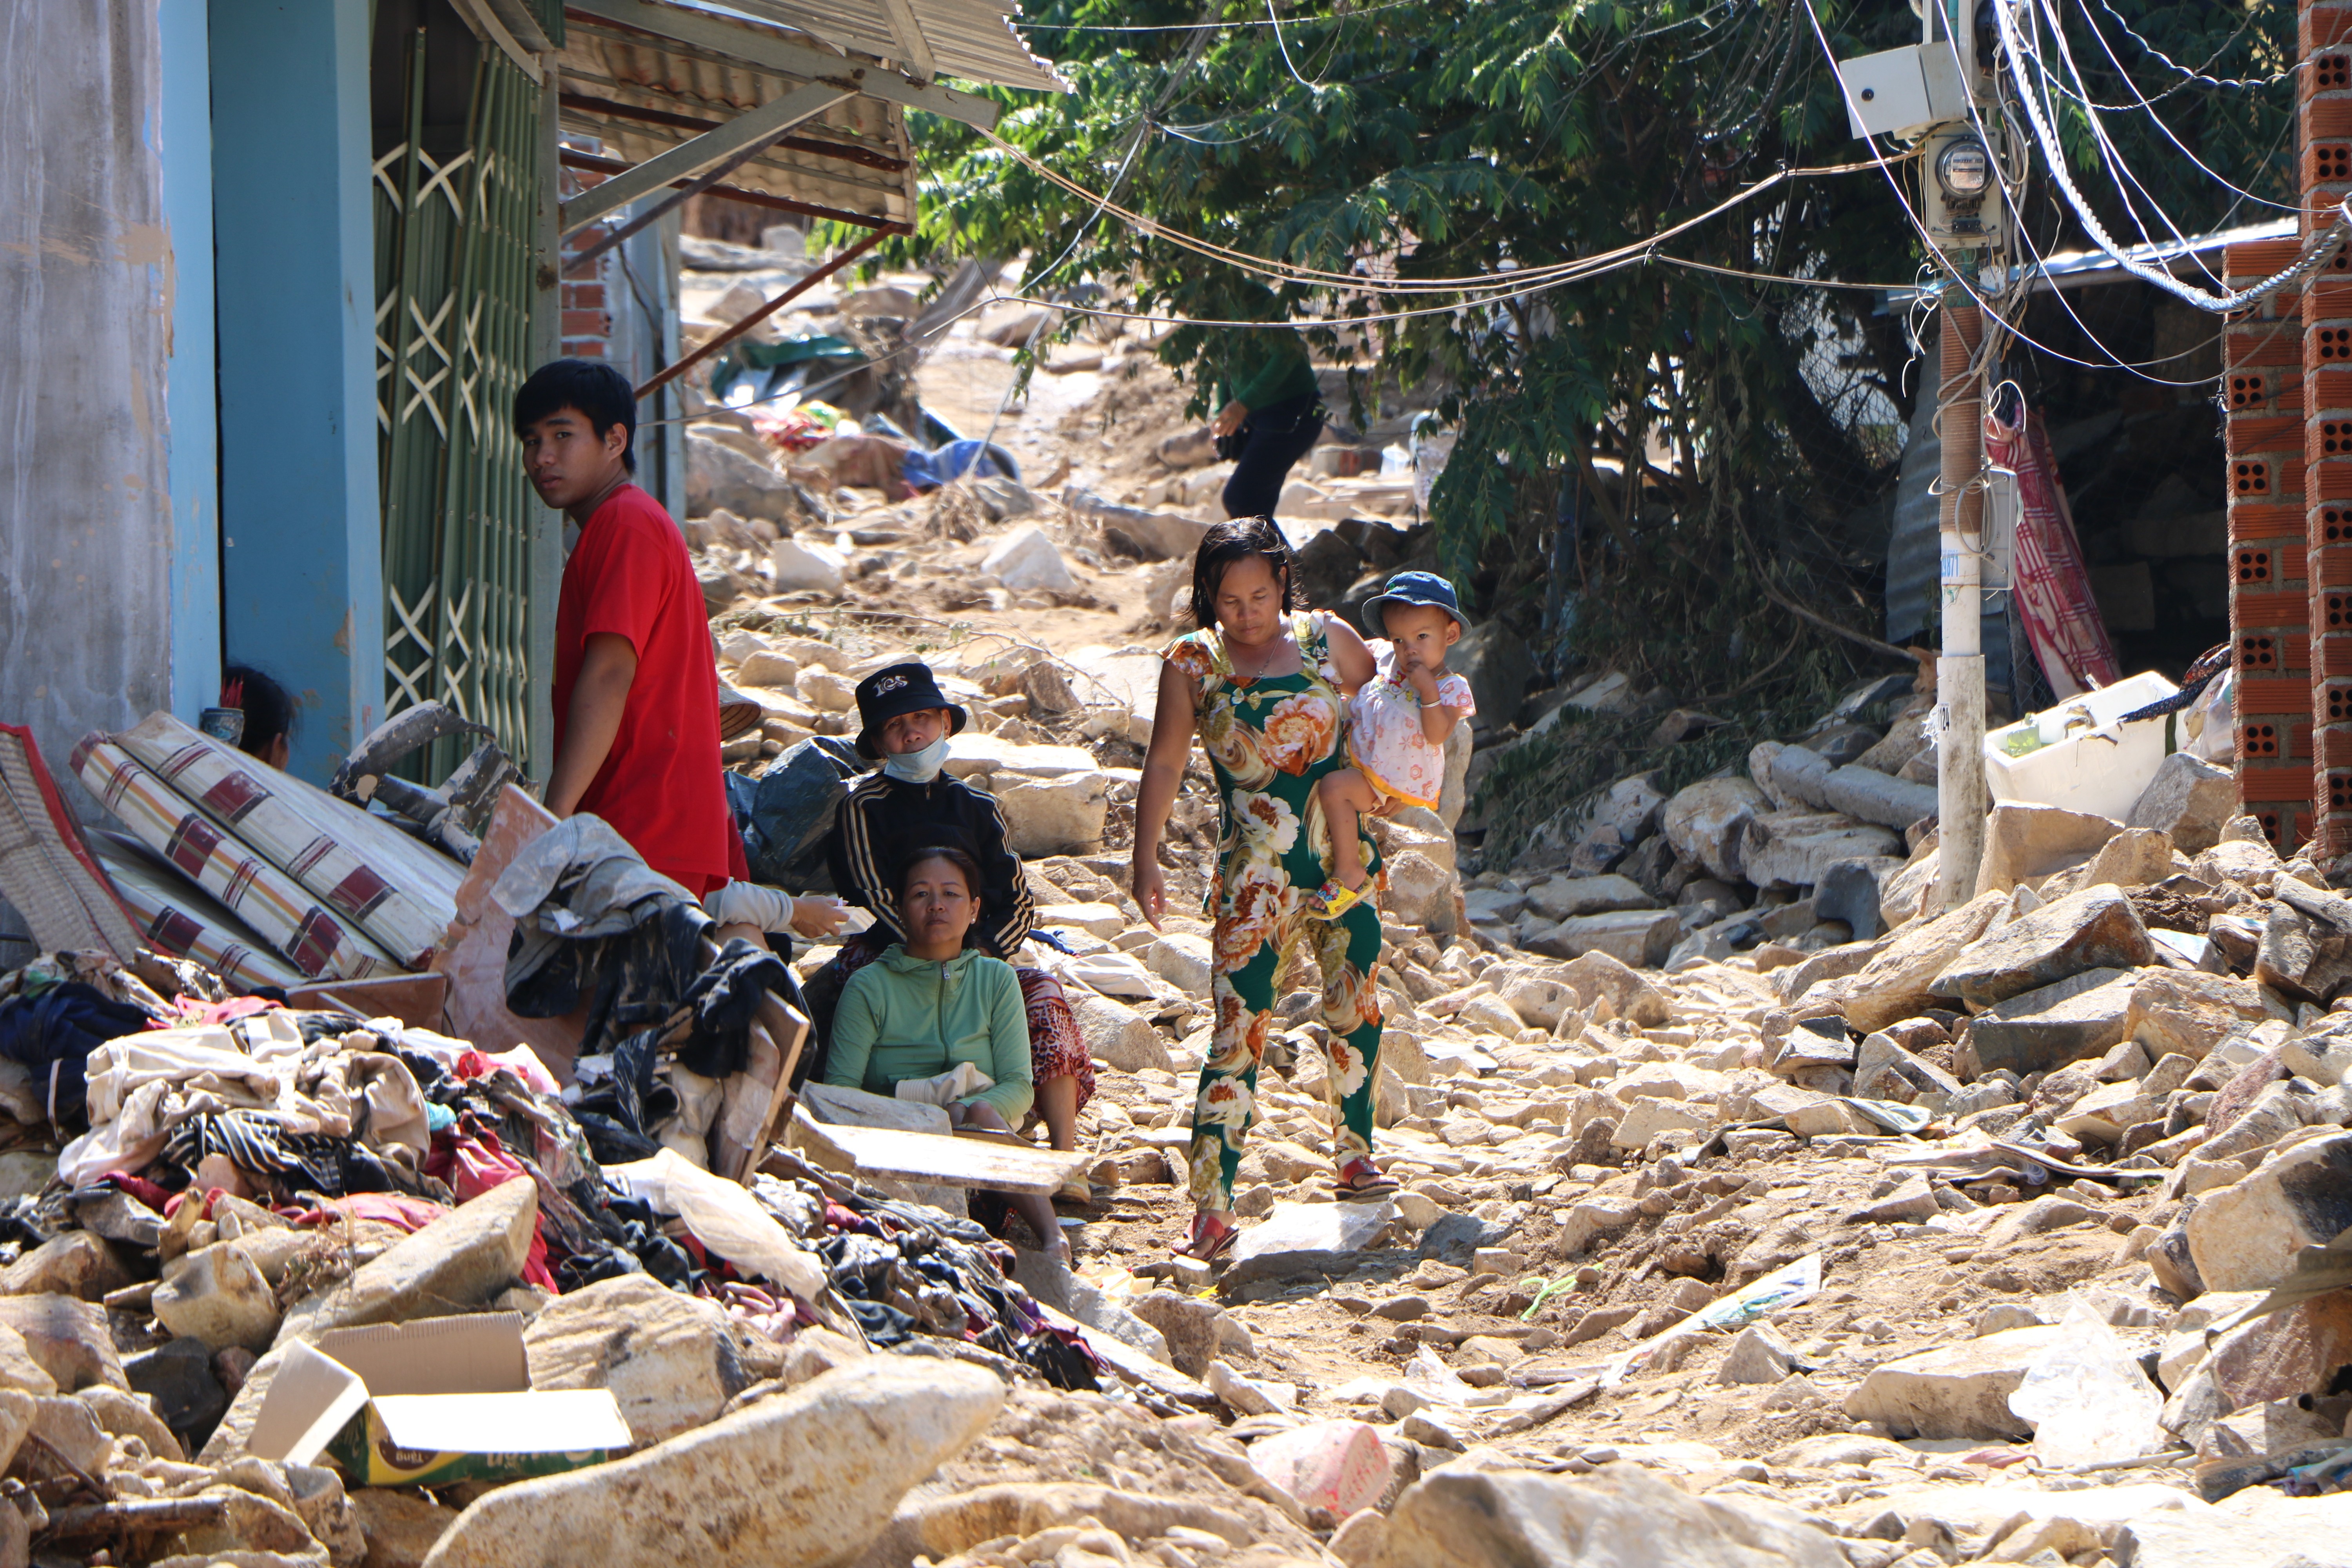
[1057,1047]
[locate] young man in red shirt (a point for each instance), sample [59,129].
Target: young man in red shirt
[636,685]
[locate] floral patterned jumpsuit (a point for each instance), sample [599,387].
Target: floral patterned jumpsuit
[1269,741]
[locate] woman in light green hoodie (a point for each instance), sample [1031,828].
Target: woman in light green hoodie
[928,1004]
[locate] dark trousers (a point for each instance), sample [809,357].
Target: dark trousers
[1270,440]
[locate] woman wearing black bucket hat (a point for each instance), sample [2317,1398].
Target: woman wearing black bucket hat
[905,723]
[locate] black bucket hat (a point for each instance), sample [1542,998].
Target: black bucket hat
[900,688]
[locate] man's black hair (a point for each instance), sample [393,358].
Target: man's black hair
[268,708]
[602,394]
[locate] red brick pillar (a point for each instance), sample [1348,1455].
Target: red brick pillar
[2325,96]
[2270,607]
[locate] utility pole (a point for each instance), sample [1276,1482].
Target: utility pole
[1940,95]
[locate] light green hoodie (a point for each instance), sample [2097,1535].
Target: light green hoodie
[903,1017]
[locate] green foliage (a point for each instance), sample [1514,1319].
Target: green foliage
[1447,138]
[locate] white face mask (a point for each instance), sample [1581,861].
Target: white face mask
[918,768]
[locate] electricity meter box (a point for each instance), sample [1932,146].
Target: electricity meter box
[1900,91]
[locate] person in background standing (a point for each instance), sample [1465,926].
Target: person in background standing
[1270,411]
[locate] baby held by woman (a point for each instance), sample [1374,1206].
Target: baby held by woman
[1397,723]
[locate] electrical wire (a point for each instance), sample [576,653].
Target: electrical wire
[2199,75]
[2149,105]
[1318,277]
[1277,24]
[2318,248]
[1027,24]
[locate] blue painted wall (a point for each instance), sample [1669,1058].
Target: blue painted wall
[182,133]
[302,560]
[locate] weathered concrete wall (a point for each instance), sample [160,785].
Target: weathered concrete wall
[86,290]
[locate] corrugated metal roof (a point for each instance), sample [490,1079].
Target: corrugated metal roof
[973,39]
[641,96]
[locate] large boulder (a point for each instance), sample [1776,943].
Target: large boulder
[453,1265]
[1562,898]
[65,1339]
[1496,662]
[2186,1012]
[1901,981]
[1305,1239]
[2244,1236]
[2079,1017]
[2190,799]
[1596,975]
[1061,815]
[804,1479]
[1958,1390]
[1793,848]
[670,1359]
[2093,929]
[1619,1517]
[718,477]
[1704,823]
[1639,938]
[2025,843]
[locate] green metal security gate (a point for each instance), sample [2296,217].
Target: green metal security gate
[453,267]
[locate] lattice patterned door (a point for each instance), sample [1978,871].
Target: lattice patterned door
[453,293]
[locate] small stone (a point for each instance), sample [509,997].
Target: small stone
[1757,1355]
[178,1377]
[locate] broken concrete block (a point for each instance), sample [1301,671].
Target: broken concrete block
[2076,1019]
[1960,1390]
[74,1264]
[2188,800]
[803,1480]
[219,1296]
[1619,1517]
[1027,558]
[1596,975]
[1899,983]
[2244,1236]
[1562,898]
[453,1264]
[1061,815]
[1118,1036]
[1885,1071]
[1756,1356]
[2179,1013]
[2093,929]
[1792,848]
[66,1339]
[1640,939]
[1704,821]
[1848,891]
[670,1360]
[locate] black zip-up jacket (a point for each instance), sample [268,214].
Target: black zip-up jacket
[883,817]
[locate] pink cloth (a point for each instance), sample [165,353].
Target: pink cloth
[2050,586]
[1384,736]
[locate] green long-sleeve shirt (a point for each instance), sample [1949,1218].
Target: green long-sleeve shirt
[1264,368]
[903,1018]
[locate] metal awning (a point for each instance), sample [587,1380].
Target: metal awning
[777,109]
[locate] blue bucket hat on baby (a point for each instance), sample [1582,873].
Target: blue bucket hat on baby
[1411,588]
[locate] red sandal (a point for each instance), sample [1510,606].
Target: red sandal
[1211,1238]
[1361,1182]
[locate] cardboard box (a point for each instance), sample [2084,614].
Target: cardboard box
[429,1403]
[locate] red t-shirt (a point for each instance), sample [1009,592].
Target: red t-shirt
[660,786]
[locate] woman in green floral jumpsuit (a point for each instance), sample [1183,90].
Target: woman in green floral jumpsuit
[1263,686]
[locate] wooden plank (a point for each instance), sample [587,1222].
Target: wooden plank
[942,1162]
[417,1000]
